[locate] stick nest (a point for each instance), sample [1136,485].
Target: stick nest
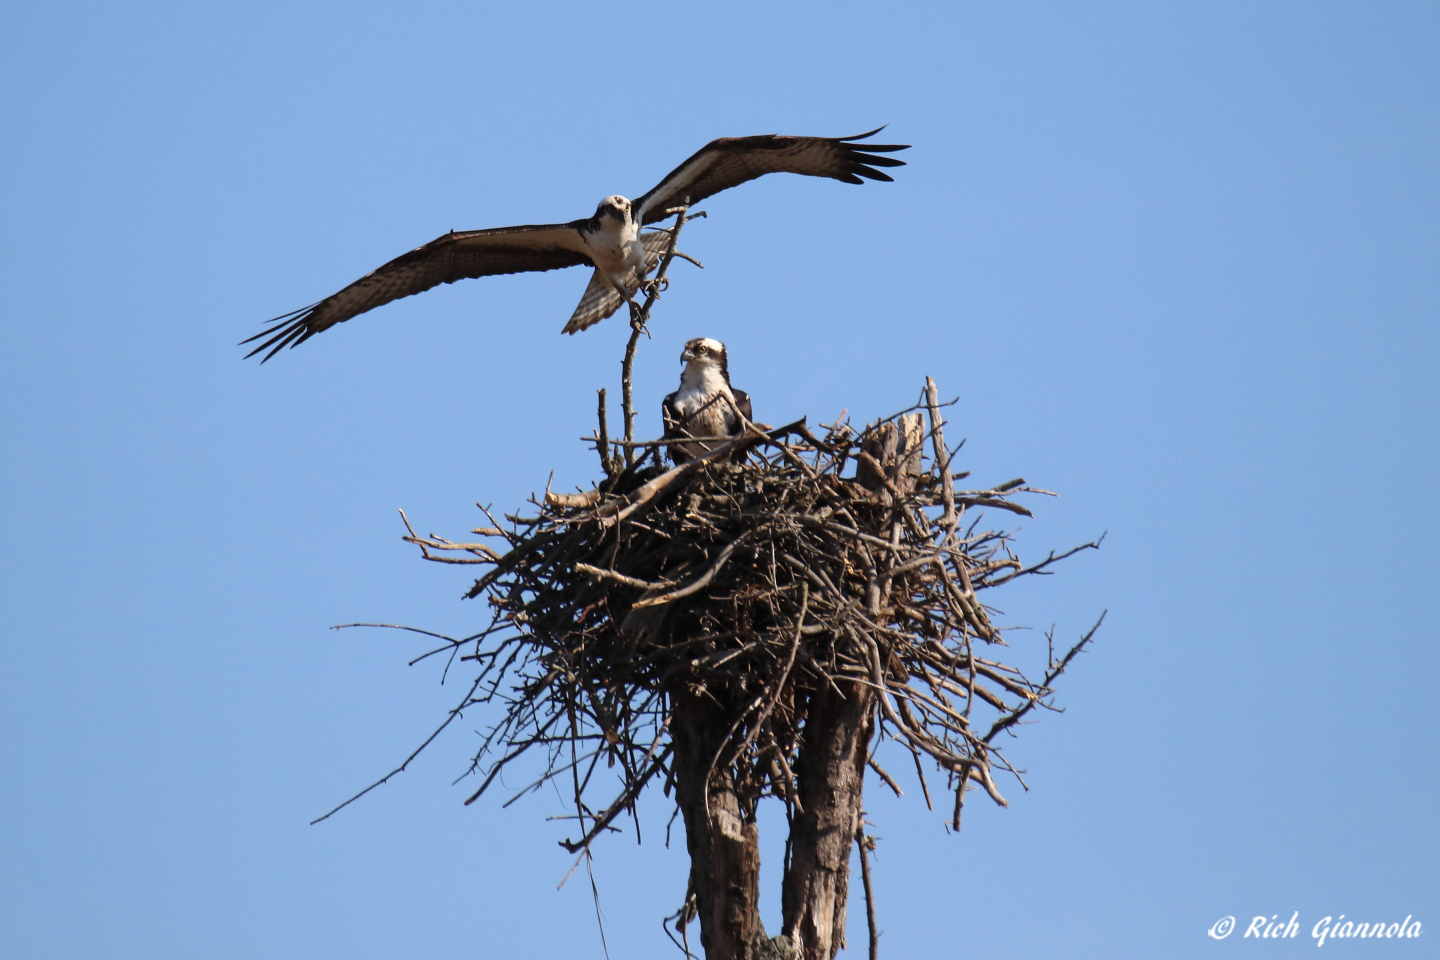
[776,564]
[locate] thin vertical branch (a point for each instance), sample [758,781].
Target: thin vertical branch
[866,844]
[607,462]
[942,454]
[639,316]
[637,325]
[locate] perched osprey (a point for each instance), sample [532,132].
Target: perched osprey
[700,407]
[610,241]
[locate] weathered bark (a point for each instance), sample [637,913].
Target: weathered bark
[831,777]
[720,833]
[720,828]
[895,452]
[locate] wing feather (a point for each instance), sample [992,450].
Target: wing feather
[674,427]
[455,256]
[731,161]
[742,402]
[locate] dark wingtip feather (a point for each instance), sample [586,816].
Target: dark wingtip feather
[877,161]
[266,343]
[282,330]
[861,170]
[309,332]
[281,336]
[282,317]
[290,335]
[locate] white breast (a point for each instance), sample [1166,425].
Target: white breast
[616,246]
[696,391]
[701,401]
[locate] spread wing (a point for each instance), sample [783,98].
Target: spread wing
[729,162]
[455,256]
[600,298]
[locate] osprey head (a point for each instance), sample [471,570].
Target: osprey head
[703,349]
[614,206]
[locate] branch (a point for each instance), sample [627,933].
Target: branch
[942,454]
[602,443]
[625,799]
[865,844]
[455,712]
[889,780]
[620,578]
[699,584]
[639,316]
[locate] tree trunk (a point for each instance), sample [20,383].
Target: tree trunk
[831,777]
[720,828]
[720,833]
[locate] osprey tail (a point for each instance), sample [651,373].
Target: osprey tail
[600,299]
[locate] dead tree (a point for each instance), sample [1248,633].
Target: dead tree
[752,624]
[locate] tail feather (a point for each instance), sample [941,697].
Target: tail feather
[600,298]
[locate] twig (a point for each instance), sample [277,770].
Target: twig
[619,577]
[865,845]
[889,780]
[602,445]
[620,804]
[454,712]
[700,583]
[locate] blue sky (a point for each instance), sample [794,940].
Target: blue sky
[1178,262]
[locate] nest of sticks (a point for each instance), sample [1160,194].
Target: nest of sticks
[779,564]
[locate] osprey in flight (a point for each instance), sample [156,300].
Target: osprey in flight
[610,241]
[702,407]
